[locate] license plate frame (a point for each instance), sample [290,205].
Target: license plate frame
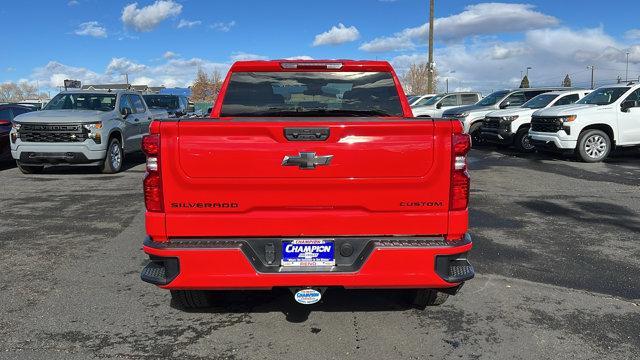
[308,253]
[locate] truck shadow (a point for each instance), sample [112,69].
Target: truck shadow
[281,300]
[130,161]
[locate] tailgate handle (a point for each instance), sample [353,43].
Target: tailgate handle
[306,134]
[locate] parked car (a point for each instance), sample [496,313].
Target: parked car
[511,126]
[174,105]
[7,113]
[293,198]
[473,115]
[435,106]
[608,117]
[86,128]
[419,100]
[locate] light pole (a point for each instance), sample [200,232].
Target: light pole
[592,67]
[626,78]
[528,68]
[431,66]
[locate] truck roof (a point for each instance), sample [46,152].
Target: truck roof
[115,91]
[315,65]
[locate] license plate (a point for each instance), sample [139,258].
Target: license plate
[308,253]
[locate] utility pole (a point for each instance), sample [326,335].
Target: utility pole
[447,85]
[430,65]
[126,78]
[592,67]
[626,78]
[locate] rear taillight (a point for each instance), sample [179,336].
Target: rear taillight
[5,122]
[152,182]
[460,181]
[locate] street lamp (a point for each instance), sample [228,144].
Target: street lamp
[528,68]
[626,78]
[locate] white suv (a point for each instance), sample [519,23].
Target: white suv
[511,126]
[592,127]
[435,106]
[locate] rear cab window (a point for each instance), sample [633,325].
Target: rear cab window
[311,93]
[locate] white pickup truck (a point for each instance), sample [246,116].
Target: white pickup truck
[609,117]
[511,126]
[435,106]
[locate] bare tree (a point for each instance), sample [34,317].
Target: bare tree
[416,79]
[12,92]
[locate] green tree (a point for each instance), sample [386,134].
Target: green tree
[525,82]
[567,81]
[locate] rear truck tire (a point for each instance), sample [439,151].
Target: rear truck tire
[476,138]
[30,169]
[114,157]
[192,299]
[522,142]
[593,146]
[422,298]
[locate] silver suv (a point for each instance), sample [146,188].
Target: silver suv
[86,128]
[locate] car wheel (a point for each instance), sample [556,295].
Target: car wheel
[421,298]
[593,146]
[474,131]
[30,169]
[191,299]
[522,141]
[115,156]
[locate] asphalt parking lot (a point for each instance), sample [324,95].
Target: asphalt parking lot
[557,251]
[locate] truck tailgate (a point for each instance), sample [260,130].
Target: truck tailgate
[227,177]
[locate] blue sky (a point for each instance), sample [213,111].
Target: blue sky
[480,45]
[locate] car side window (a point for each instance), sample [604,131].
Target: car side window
[450,100]
[137,103]
[421,102]
[566,100]
[634,96]
[124,103]
[516,99]
[468,99]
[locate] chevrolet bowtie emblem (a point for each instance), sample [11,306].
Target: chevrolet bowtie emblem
[306,160]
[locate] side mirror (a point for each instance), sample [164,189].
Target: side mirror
[505,104]
[126,112]
[439,106]
[628,104]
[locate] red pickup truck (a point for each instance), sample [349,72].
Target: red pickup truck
[307,175]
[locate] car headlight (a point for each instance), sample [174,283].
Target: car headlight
[92,127]
[94,131]
[15,126]
[568,118]
[462,115]
[510,118]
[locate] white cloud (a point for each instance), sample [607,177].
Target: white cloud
[300,57]
[223,26]
[188,24]
[124,66]
[73,2]
[633,34]
[480,19]
[169,55]
[238,56]
[148,17]
[488,64]
[91,28]
[337,35]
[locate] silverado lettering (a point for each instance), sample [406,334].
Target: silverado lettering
[328,220]
[190,205]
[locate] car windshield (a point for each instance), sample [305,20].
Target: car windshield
[493,98]
[603,96]
[161,101]
[311,94]
[434,99]
[82,101]
[540,101]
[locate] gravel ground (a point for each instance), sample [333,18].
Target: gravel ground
[557,251]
